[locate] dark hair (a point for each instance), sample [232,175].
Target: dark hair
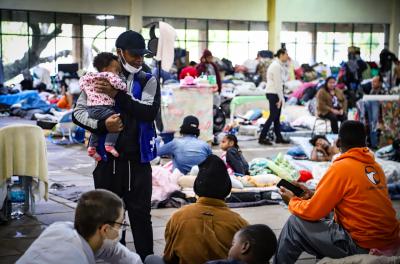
[327,80]
[280,52]
[192,63]
[316,137]
[233,138]
[103,59]
[262,239]
[94,209]
[352,134]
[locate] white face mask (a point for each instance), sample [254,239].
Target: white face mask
[129,68]
[110,243]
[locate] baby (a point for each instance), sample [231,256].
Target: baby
[101,106]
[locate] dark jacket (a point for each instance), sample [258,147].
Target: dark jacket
[133,112]
[236,161]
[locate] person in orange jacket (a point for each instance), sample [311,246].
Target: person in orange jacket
[355,189]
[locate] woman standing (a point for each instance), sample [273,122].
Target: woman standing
[331,104]
[275,98]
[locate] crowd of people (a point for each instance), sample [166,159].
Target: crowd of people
[347,214]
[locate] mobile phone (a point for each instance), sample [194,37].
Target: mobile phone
[294,189]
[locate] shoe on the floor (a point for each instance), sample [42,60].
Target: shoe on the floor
[264,141]
[282,141]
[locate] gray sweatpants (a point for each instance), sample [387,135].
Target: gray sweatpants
[324,238]
[100,112]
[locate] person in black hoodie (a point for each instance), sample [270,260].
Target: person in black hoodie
[128,175]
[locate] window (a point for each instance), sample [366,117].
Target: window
[47,39]
[298,39]
[234,40]
[328,43]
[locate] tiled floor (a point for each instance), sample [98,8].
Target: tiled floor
[70,165]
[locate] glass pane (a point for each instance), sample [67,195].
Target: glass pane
[322,27]
[14,22]
[288,26]
[343,38]
[291,49]
[325,37]
[93,27]
[67,50]
[46,55]
[70,24]
[364,28]
[180,38]
[238,36]
[110,45]
[148,21]
[176,23]
[11,54]
[219,49]
[361,38]
[196,24]
[255,47]
[194,49]
[42,23]
[288,37]
[239,25]
[365,51]
[116,26]
[258,26]
[238,52]
[218,31]
[218,35]
[303,52]
[258,36]
[378,43]
[91,47]
[324,53]
[340,53]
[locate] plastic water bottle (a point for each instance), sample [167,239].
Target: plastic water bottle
[17,198]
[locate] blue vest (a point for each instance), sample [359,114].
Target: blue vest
[146,130]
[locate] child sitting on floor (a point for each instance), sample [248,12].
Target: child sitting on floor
[101,106]
[232,155]
[253,244]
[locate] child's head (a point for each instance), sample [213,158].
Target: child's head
[107,62]
[229,141]
[253,244]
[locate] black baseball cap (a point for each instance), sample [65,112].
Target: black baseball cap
[132,42]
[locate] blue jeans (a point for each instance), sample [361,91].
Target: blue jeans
[372,109]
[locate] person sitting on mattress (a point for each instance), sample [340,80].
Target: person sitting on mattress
[354,187]
[233,157]
[187,151]
[202,231]
[323,150]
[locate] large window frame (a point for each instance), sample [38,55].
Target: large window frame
[330,40]
[222,37]
[57,44]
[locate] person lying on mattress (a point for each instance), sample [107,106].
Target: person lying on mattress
[355,188]
[323,150]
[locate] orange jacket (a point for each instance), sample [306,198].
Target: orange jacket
[355,188]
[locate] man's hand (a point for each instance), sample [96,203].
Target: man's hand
[114,124]
[103,86]
[307,192]
[341,112]
[286,194]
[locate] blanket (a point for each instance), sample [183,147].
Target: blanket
[23,152]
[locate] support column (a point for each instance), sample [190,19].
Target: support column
[395,28]
[274,25]
[136,18]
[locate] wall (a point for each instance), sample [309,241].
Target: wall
[255,10]
[114,7]
[338,11]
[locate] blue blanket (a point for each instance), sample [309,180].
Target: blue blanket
[11,99]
